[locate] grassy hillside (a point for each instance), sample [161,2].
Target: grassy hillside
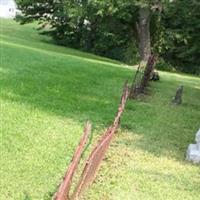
[48,92]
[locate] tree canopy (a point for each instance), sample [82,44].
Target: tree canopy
[110,28]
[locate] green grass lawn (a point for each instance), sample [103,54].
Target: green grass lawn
[48,92]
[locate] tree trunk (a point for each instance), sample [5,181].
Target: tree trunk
[144,33]
[147,74]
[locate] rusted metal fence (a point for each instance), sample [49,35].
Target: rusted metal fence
[95,158]
[64,188]
[97,155]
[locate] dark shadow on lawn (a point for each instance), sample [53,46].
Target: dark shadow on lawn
[79,53]
[66,87]
[83,90]
[166,129]
[45,44]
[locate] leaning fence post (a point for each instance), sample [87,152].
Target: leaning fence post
[64,188]
[93,162]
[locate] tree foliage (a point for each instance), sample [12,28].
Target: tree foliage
[109,27]
[181,22]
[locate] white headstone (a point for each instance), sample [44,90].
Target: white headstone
[198,139]
[198,136]
[193,152]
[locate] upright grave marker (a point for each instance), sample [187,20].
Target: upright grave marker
[193,152]
[177,99]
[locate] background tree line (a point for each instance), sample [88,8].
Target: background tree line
[126,30]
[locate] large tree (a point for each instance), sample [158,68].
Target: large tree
[127,30]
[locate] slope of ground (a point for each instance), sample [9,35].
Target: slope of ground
[147,158]
[48,92]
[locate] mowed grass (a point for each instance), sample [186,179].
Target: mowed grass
[48,92]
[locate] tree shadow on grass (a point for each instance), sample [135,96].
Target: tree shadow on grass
[60,85]
[82,90]
[73,87]
[166,129]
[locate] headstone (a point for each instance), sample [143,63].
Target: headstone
[193,152]
[178,96]
[198,139]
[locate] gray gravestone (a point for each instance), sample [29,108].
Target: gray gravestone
[178,96]
[193,152]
